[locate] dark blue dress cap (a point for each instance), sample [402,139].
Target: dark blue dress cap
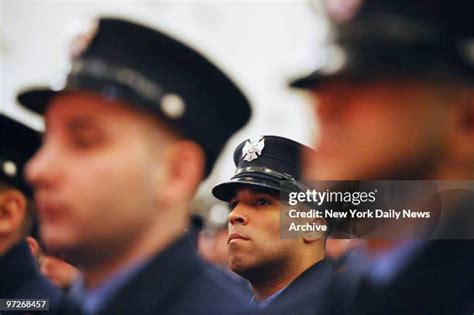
[18,143]
[268,162]
[384,38]
[149,70]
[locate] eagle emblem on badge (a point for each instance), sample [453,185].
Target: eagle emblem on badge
[253,149]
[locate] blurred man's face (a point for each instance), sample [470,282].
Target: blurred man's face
[377,130]
[254,242]
[95,176]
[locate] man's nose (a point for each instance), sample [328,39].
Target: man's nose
[42,167]
[238,215]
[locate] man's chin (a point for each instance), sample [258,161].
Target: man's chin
[238,265]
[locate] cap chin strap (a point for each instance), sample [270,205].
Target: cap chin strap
[264,170]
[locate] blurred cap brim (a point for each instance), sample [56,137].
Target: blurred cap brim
[227,190]
[36,99]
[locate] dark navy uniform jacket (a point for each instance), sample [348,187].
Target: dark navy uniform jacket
[21,279]
[438,279]
[175,282]
[310,293]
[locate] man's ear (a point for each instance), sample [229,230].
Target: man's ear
[34,245]
[184,171]
[12,211]
[462,135]
[312,236]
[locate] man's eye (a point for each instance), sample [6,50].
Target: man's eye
[85,141]
[262,202]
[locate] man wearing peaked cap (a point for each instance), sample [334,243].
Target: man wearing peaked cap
[20,276]
[288,276]
[395,100]
[394,73]
[153,72]
[128,140]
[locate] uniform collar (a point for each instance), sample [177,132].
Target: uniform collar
[164,275]
[317,270]
[268,300]
[92,300]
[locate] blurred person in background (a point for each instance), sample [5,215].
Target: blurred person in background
[339,251]
[20,277]
[288,276]
[395,101]
[212,241]
[127,142]
[212,246]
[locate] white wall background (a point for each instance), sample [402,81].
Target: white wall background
[260,44]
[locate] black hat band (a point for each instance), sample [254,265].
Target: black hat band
[99,69]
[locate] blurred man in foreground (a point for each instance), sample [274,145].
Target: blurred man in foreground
[290,276]
[19,274]
[395,101]
[127,143]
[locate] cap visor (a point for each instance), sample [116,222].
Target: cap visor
[306,82]
[36,99]
[226,191]
[313,79]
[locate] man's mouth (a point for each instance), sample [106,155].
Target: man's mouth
[234,236]
[48,209]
